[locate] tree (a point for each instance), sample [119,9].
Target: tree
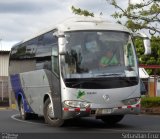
[144,15]
[154,58]
[79,11]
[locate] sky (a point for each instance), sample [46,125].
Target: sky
[20,19]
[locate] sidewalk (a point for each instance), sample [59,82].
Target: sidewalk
[4,108]
[155,110]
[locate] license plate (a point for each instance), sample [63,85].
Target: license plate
[106,111]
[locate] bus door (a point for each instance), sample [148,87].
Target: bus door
[55,84]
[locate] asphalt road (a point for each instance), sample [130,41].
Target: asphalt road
[11,124]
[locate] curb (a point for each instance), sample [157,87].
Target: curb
[4,108]
[12,107]
[150,111]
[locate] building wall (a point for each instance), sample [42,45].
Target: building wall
[4,61]
[4,93]
[4,86]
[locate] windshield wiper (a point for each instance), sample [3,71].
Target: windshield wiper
[79,83]
[112,74]
[131,81]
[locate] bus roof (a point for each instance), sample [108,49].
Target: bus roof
[89,23]
[81,23]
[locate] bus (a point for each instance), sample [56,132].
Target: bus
[58,73]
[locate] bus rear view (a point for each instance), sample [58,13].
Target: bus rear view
[93,72]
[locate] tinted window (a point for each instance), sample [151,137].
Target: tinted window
[55,65]
[20,52]
[31,48]
[45,44]
[23,57]
[25,51]
[44,50]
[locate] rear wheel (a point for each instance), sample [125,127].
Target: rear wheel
[112,119]
[24,115]
[49,115]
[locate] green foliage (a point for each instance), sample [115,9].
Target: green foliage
[148,102]
[144,15]
[154,58]
[79,11]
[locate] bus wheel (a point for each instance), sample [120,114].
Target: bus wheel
[24,115]
[112,119]
[49,115]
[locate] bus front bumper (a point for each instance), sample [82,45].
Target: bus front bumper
[98,112]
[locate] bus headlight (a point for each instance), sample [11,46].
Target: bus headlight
[77,104]
[131,101]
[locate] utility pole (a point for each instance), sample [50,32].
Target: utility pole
[1,71]
[0,60]
[0,44]
[129,3]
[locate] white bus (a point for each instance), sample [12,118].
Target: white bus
[63,73]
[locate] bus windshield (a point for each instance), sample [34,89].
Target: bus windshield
[95,54]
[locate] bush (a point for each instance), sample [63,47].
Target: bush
[5,102]
[148,102]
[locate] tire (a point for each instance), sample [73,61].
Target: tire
[24,115]
[55,122]
[112,119]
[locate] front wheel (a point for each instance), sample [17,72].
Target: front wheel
[49,115]
[112,119]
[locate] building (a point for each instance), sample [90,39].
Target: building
[154,82]
[4,93]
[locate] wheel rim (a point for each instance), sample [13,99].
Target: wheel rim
[50,113]
[50,117]
[22,109]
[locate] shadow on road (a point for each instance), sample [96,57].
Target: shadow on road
[88,123]
[81,123]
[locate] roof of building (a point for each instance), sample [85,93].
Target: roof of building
[3,48]
[4,51]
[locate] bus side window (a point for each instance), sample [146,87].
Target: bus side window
[55,65]
[31,47]
[130,55]
[44,51]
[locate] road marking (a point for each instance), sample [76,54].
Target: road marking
[19,120]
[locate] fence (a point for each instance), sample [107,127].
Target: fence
[4,93]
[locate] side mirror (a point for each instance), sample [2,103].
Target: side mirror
[142,88]
[146,42]
[54,52]
[62,43]
[147,46]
